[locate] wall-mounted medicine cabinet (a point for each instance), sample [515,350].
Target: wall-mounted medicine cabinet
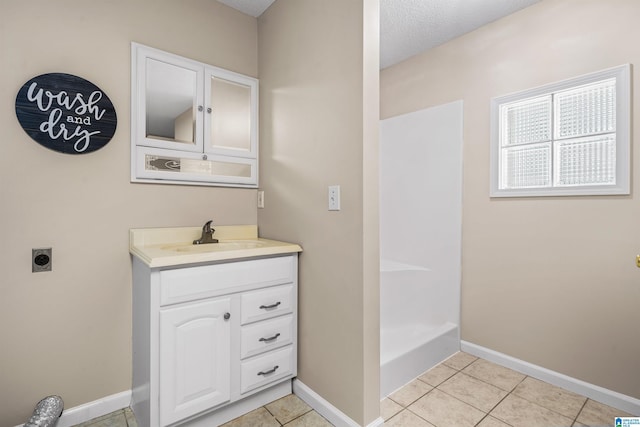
[191,123]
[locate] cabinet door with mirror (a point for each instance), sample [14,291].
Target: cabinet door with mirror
[192,123]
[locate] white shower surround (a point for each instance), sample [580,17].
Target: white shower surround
[420,241]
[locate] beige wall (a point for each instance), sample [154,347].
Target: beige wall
[68,332]
[551,281]
[319,126]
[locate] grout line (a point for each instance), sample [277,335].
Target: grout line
[299,416]
[549,409]
[418,416]
[501,400]
[580,411]
[414,400]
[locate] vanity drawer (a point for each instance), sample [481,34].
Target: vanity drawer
[266,369]
[266,335]
[266,303]
[185,284]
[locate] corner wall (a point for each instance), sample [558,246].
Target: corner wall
[319,102]
[68,332]
[551,281]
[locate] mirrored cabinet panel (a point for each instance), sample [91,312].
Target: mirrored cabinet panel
[232,124]
[170,102]
[191,123]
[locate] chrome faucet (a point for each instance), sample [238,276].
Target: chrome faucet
[207,235]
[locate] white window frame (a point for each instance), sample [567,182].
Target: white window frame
[622,74]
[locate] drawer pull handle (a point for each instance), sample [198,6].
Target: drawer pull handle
[267,307]
[270,371]
[270,338]
[227,316]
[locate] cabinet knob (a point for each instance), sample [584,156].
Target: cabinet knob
[209,110]
[227,316]
[200,108]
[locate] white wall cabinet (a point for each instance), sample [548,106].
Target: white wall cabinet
[191,123]
[212,341]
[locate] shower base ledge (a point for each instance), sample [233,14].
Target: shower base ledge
[400,363]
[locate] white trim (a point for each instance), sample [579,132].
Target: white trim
[326,409]
[97,408]
[592,391]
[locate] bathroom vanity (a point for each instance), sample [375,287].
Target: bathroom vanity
[214,325]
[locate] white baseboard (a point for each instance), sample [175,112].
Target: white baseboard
[600,394]
[326,409]
[97,408]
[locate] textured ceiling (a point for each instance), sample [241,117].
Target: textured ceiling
[408,27]
[250,7]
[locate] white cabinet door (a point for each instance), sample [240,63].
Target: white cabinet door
[168,101]
[194,358]
[231,119]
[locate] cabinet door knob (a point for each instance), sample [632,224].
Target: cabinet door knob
[200,108]
[227,316]
[209,110]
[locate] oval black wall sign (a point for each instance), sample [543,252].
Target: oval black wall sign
[66,113]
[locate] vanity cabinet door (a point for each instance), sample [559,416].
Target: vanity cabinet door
[195,358]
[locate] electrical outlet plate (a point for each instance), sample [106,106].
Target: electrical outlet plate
[40,260]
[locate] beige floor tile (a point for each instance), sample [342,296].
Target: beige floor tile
[256,418]
[459,360]
[597,414]
[388,408]
[438,374]
[288,408]
[577,424]
[496,375]
[407,418]
[519,412]
[131,418]
[410,393]
[443,410]
[551,397]
[473,391]
[489,421]
[310,419]
[114,419]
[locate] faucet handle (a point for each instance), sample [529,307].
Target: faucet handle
[206,228]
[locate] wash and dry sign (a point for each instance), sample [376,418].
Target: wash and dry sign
[66,113]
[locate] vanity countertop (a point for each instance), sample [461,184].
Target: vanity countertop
[165,247]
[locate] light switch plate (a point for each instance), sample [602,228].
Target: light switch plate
[261,199]
[334,197]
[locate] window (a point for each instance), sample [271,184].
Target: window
[567,138]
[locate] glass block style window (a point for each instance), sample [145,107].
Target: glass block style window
[567,138]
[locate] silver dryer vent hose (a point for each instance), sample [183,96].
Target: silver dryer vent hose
[47,412]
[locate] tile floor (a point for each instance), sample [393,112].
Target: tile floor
[466,391]
[461,391]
